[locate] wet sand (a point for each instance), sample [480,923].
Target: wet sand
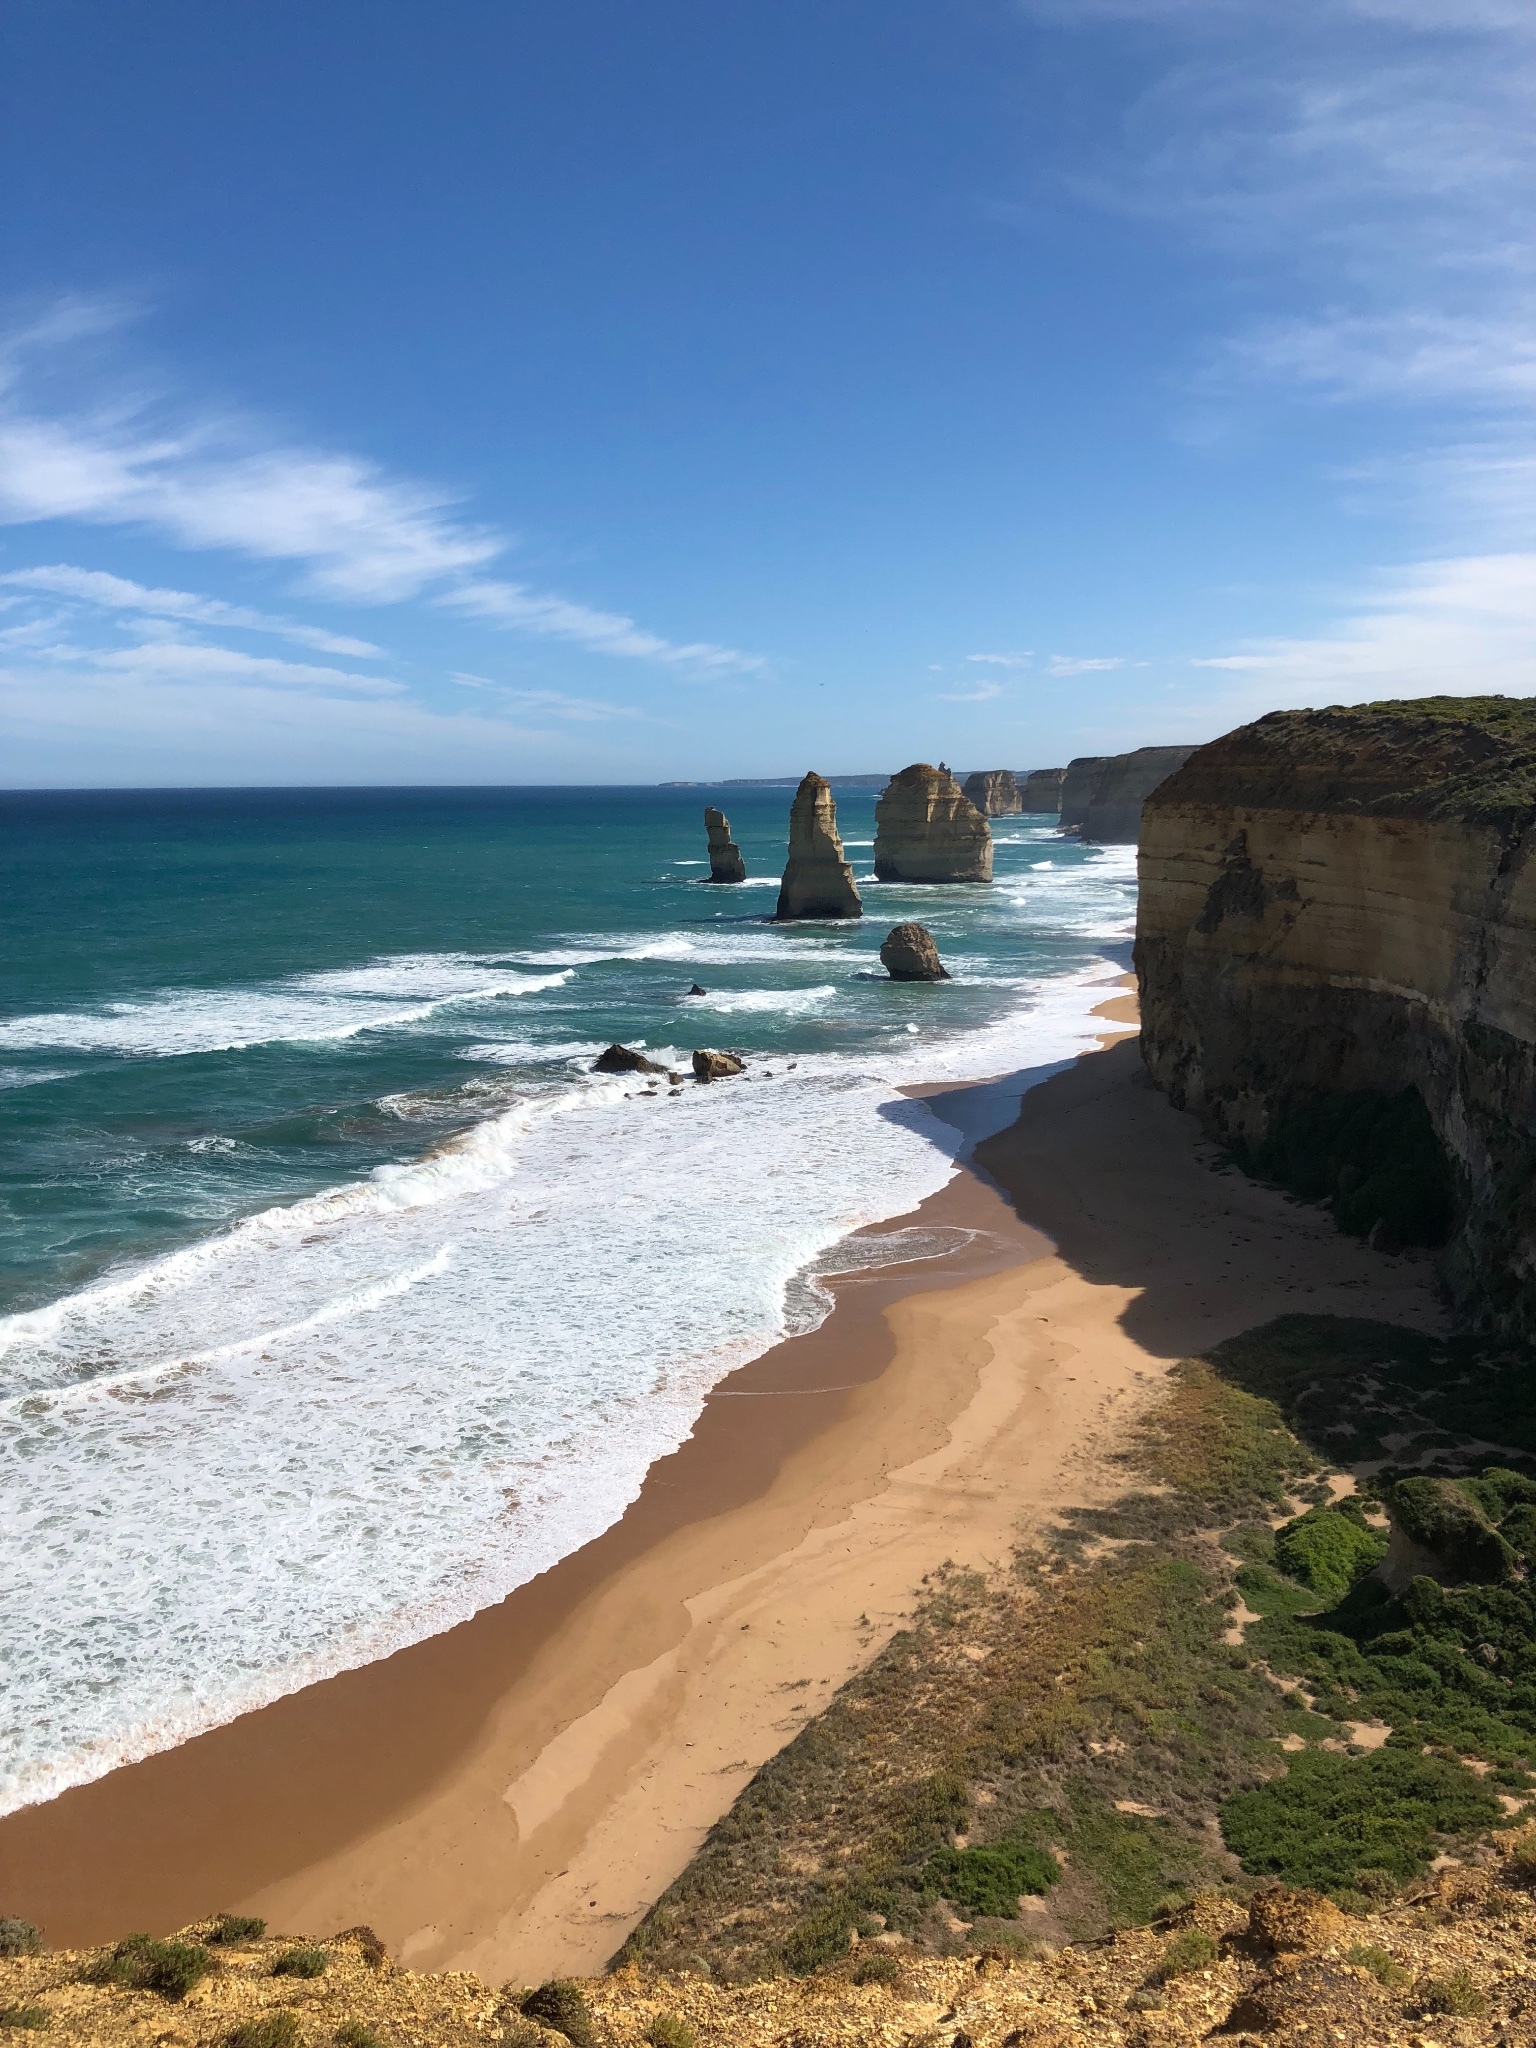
[510,1796]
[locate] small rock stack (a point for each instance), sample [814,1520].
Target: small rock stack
[725,861]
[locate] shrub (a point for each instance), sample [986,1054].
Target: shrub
[33,2016]
[1331,1815]
[236,1927]
[1328,1550]
[357,2034]
[1456,1994]
[270,2030]
[1437,1514]
[301,1962]
[559,2004]
[1374,1157]
[19,1938]
[821,1937]
[667,2032]
[170,1967]
[877,1969]
[1191,1950]
[985,1883]
[522,2033]
[1366,1956]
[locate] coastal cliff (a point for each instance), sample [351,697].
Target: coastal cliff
[1335,957]
[817,882]
[1040,789]
[725,861]
[928,830]
[1103,794]
[994,792]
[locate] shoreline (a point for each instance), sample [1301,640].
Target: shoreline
[510,1796]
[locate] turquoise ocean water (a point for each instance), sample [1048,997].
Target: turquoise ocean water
[339,1297]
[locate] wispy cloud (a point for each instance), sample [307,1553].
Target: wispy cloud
[117,593]
[531,611]
[984,693]
[185,662]
[1084,664]
[1004,660]
[1465,626]
[555,703]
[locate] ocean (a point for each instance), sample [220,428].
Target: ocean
[340,1296]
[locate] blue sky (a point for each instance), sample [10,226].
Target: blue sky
[498,392]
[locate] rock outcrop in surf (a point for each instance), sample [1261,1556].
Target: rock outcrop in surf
[994,792]
[817,882]
[725,861]
[716,1066]
[623,1059]
[909,954]
[928,830]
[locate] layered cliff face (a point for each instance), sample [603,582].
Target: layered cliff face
[928,830]
[817,882]
[1040,789]
[1336,947]
[994,792]
[1104,793]
[725,861]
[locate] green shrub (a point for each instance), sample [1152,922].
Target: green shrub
[1438,1514]
[301,1962]
[357,2034]
[236,1927]
[559,2004]
[1328,1550]
[1456,1994]
[876,1969]
[270,2030]
[821,1937]
[1373,1157]
[170,1967]
[19,1938]
[1366,1956]
[1331,1815]
[31,2016]
[667,2032]
[985,1883]
[1192,1949]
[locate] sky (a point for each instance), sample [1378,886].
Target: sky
[634,390]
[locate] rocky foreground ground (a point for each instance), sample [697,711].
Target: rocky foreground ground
[1452,1963]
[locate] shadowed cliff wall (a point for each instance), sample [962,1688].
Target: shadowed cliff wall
[1337,924]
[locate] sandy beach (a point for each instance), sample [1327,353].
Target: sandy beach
[509,1797]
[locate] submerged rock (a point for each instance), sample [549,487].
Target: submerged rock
[622,1059]
[725,861]
[697,991]
[818,882]
[909,954]
[994,792]
[928,830]
[716,1066]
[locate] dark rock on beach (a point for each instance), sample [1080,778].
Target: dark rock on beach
[716,1066]
[909,954]
[621,1059]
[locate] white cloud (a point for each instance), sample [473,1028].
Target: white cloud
[556,703]
[984,693]
[1464,626]
[530,611]
[116,593]
[1082,665]
[1004,660]
[181,661]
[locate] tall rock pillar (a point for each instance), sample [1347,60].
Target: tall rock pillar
[818,882]
[725,861]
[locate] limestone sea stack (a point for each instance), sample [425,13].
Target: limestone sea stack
[817,882]
[1040,790]
[1336,950]
[725,861]
[994,792]
[928,830]
[909,954]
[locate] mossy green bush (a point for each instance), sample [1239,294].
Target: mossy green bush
[19,1938]
[667,2031]
[169,1967]
[1365,1955]
[1190,1950]
[1444,1517]
[301,1962]
[561,2005]
[357,2034]
[1331,1815]
[232,1927]
[268,2030]
[876,1969]
[31,2018]
[1373,1157]
[985,1883]
[1328,1549]
[1456,1994]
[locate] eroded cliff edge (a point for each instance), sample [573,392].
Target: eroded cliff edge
[1337,969]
